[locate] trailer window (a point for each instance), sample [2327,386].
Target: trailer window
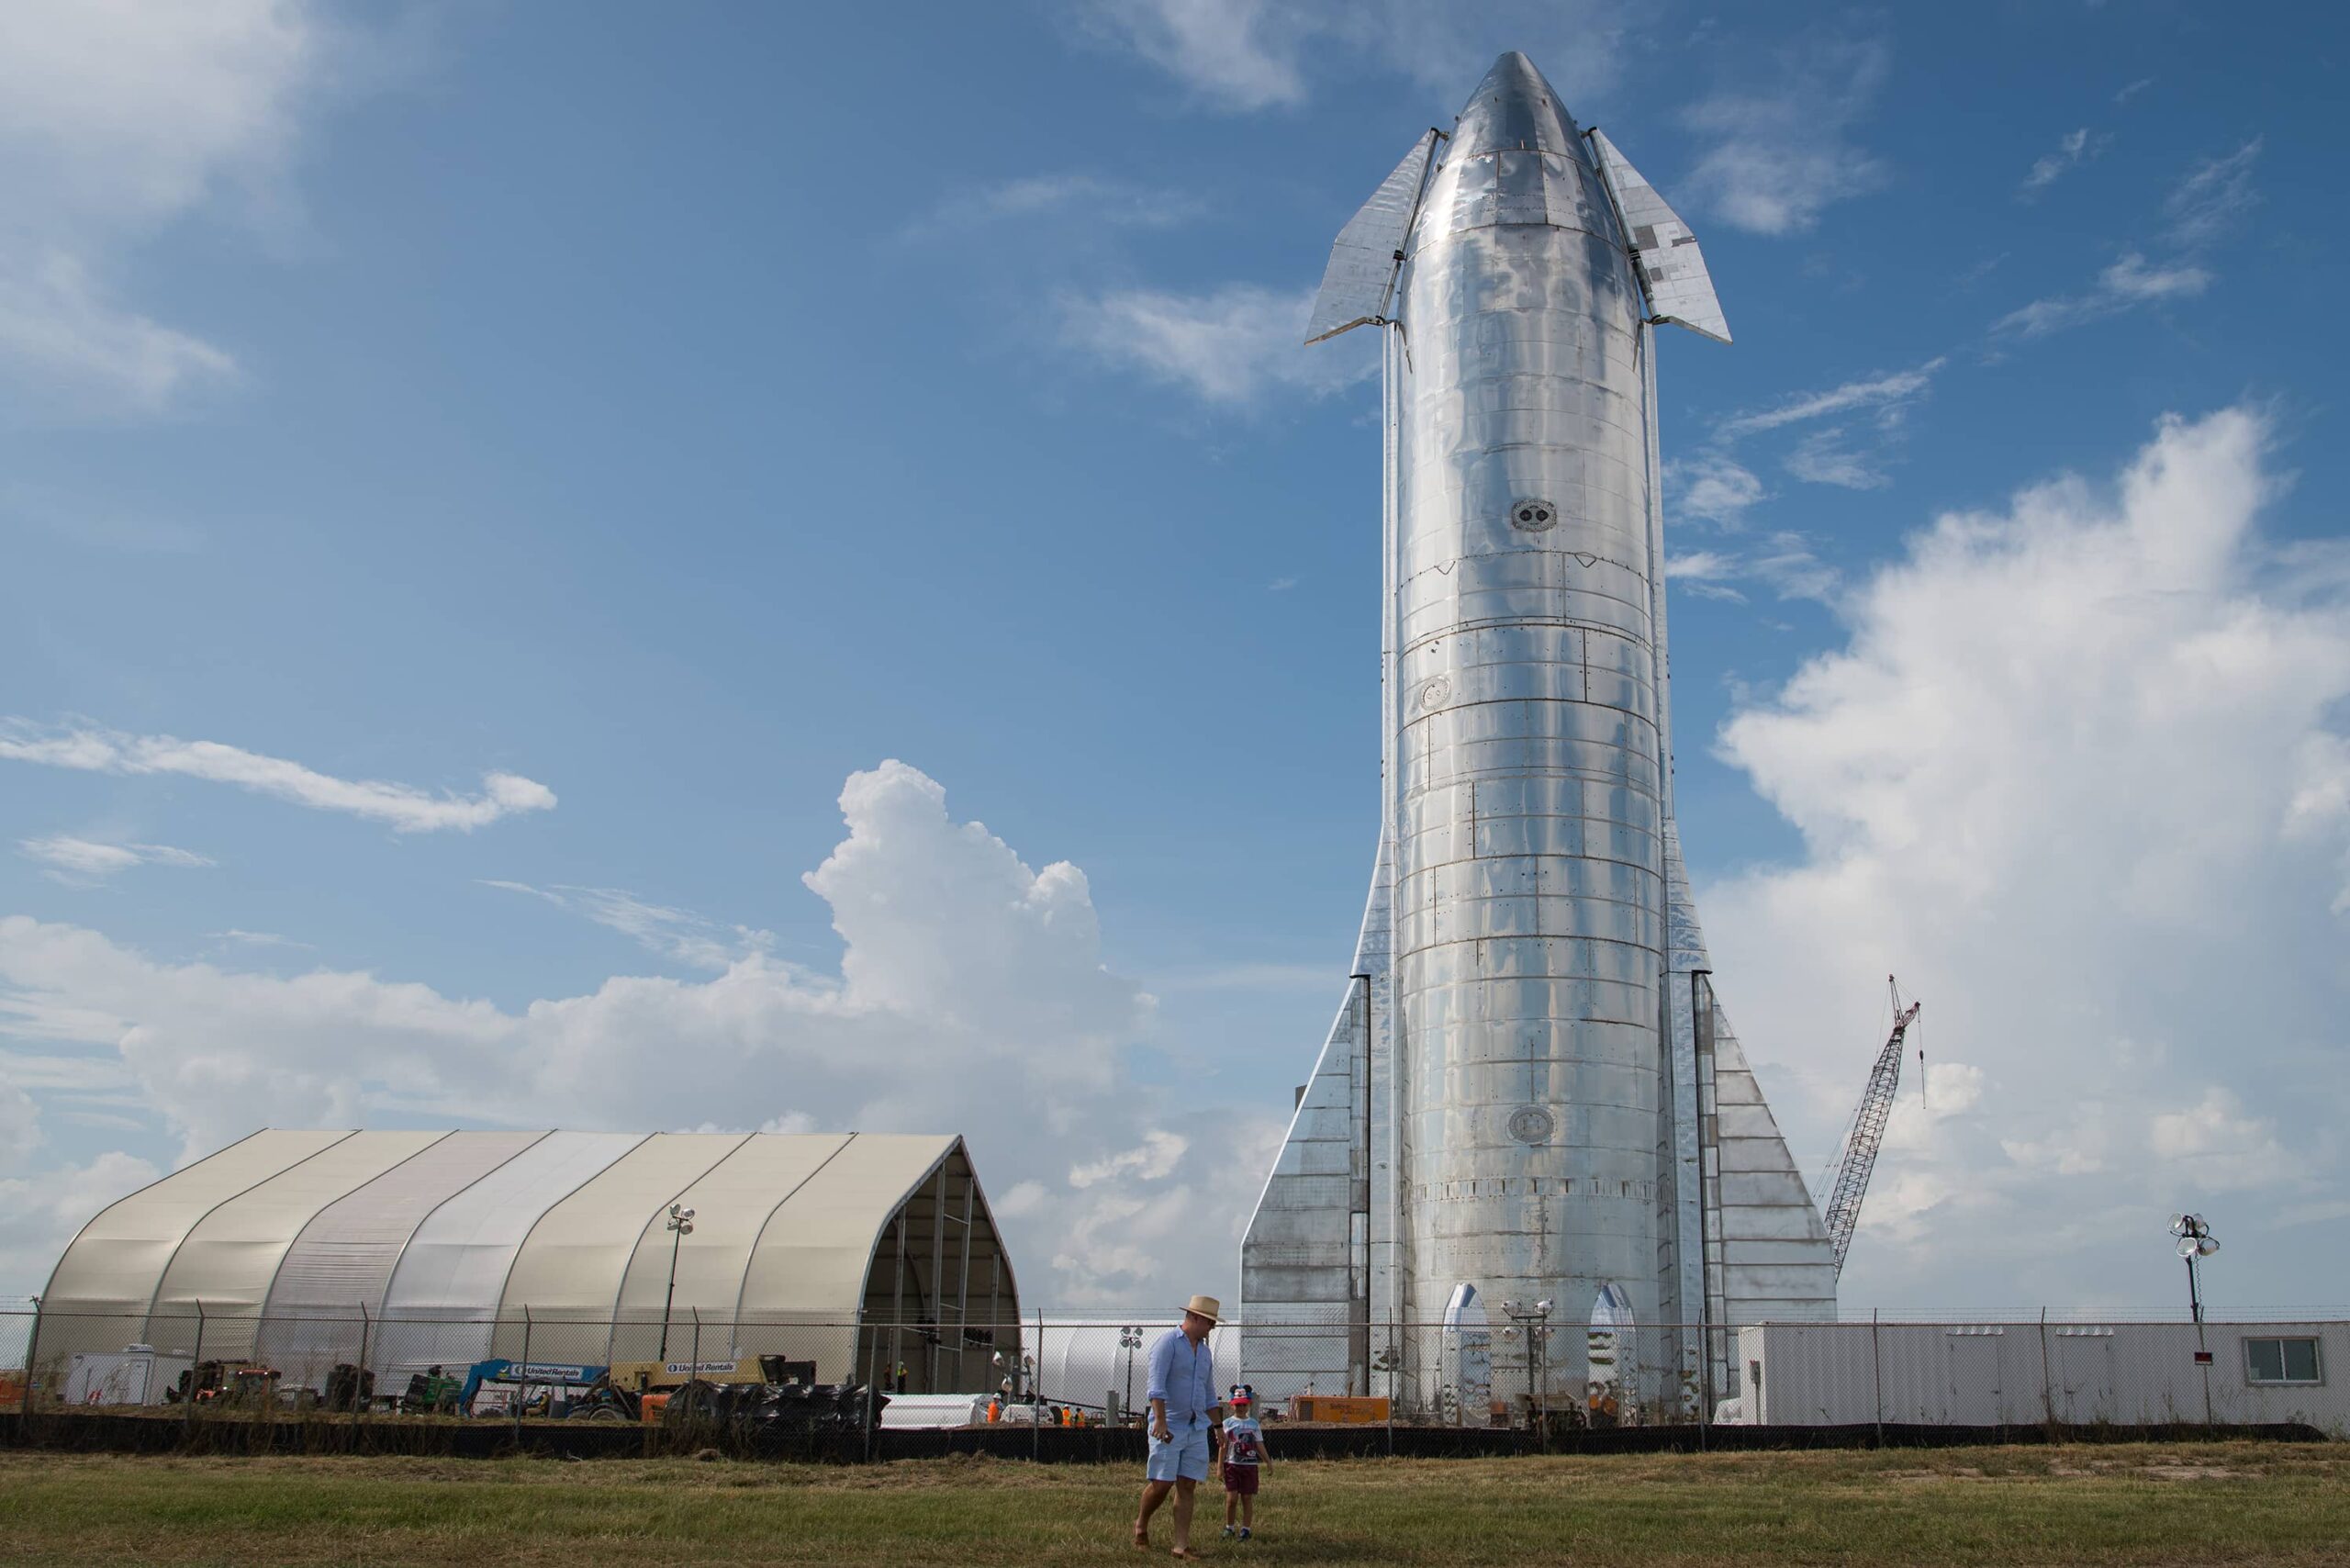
[2281,1361]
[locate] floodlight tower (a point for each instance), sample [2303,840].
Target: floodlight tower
[1129,1341]
[681,1225]
[2196,1243]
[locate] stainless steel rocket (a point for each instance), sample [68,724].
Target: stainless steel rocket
[1529,1096]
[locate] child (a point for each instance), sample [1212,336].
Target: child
[1244,1456]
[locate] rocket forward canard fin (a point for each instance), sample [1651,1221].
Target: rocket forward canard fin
[1362,273]
[1672,268]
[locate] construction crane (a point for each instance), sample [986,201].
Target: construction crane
[1868,1128]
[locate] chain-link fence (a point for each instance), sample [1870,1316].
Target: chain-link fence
[359,1361]
[1527,1370]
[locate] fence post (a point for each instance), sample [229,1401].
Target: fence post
[872,1376]
[2047,1382]
[360,1386]
[1391,1361]
[2202,1347]
[194,1373]
[1036,1394]
[32,1360]
[697,1372]
[1704,1390]
[523,1384]
[1876,1370]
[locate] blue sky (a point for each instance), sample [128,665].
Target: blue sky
[674,413]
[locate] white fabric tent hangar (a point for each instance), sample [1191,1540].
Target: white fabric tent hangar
[407,1250]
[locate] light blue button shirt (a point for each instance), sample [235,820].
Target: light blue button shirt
[1182,1374]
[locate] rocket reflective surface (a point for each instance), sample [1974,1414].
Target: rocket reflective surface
[1522,1097]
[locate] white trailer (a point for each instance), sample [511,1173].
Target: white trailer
[133,1375]
[2074,1373]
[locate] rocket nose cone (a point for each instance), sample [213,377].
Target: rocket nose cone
[1514,107]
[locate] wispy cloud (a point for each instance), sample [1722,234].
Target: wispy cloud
[1067,197]
[1244,55]
[1787,563]
[1823,457]
[1784,563]
[256,938]
[1710,486]
[1231,346]
[2205,207]
[58,330]
[2128,282]
[103,526]
[2134,89]
[1869,414]
[2210,202]
[1699,566]
[1975,275]
[678,934]
[87,860]
[1889,390]
[1783,153]
[1245,977]
[405,807]
[1153,1160]
[2075,150]
[1239,55]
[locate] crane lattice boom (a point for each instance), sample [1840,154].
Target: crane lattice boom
[1868,1131]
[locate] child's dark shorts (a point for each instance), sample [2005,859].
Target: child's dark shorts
[1241,1479]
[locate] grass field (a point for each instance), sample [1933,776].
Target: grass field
[2186,1505]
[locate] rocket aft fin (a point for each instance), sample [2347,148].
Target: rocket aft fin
[1305,1258]
[1766,1255]
[1672,269]
[1361,277]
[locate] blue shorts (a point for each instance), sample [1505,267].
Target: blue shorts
[1183,1456]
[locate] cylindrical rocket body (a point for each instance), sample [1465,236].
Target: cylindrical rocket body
[1530,895]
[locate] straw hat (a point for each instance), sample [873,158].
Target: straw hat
[1207,1307]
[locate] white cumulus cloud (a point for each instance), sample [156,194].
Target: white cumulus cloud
[971,997]
[40,1212]
[2070,776]
[20,1131]
[116,118]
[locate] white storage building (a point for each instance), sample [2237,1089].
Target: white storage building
[407,1250]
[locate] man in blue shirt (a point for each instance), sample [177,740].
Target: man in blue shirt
[1182,1406]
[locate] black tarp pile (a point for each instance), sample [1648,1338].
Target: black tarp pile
[753,1411]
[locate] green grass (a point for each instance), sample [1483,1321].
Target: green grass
[2124,1503]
